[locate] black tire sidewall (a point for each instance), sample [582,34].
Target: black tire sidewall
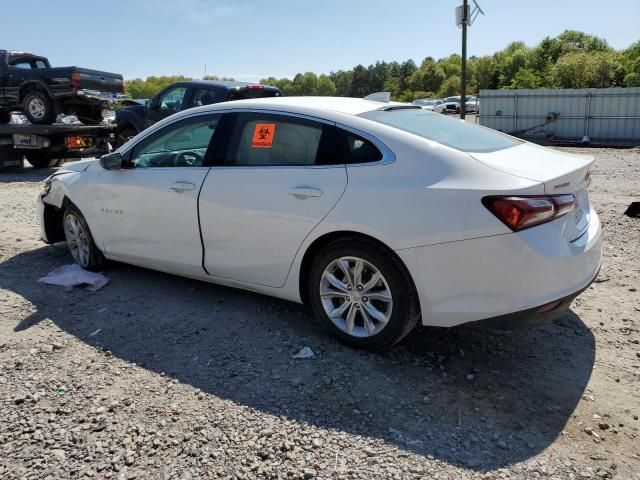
[96,259]
[40,159]
[405,309]
[49,115]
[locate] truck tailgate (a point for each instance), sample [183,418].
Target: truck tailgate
[102,81]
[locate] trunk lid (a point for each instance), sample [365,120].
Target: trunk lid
[559,172]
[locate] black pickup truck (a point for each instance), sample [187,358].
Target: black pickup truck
[181,96]
[29,84]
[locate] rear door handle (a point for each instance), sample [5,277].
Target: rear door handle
[181,187]
[305,192]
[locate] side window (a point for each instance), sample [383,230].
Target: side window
[172,100]
[353,148]
[267,139]
[202,97]
[182,144]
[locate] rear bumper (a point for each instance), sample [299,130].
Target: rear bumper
[533,316]
[505,278]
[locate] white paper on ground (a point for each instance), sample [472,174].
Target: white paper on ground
[305,352]
[74,275]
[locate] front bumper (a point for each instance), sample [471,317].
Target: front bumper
[40,212]
[506,276]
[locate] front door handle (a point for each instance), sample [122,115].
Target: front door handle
[305,192]
[181,187]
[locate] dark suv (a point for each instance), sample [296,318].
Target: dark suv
[181,96]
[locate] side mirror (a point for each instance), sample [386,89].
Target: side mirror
[111,161]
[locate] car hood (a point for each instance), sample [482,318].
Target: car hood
[79,166]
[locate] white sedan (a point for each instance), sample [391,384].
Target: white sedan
[377,215]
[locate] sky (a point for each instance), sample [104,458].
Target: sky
[251,39]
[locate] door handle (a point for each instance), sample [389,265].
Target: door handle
[305,192]
[181,187]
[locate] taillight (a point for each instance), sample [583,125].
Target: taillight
[77,141]
[255,86]
[519,213]
[75,79]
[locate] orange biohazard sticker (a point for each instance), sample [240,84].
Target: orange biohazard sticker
[263,135]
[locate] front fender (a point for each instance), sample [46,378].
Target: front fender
[131,117]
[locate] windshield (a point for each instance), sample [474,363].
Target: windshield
[457,134]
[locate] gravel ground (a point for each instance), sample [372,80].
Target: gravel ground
[160,377]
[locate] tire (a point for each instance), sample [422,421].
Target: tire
[124,134]
[38,108]
[40,159]
[5,117]
[400,315]
[79,240]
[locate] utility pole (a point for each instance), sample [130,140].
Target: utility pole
[463,70]
[464,18]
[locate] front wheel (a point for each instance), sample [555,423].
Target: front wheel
[80,241]
[38,108]
[362,294]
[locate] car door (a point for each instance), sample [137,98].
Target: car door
[266,192]
[147,213]
[169,101]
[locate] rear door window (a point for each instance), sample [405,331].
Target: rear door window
[205,96]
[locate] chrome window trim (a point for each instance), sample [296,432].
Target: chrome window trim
[388,157]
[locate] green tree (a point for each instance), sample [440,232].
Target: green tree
[326,87]
[451,86]
[525,78]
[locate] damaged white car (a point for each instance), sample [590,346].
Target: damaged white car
[377,215]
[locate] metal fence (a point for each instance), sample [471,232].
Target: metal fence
[602,114]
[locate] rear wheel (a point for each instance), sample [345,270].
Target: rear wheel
[41,160]
[38,108]
[362,294]
[80,241]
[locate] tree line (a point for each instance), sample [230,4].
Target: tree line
[573,59]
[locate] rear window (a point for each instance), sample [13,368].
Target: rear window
[249,93]
[457,134]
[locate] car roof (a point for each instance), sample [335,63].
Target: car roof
[18,52]
[227,84]
[344,105]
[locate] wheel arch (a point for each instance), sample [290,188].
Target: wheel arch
[323,240]
[53,218]
[33,85]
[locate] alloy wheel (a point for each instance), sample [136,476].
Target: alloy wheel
[77,240]
[36,108]
[356,297]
